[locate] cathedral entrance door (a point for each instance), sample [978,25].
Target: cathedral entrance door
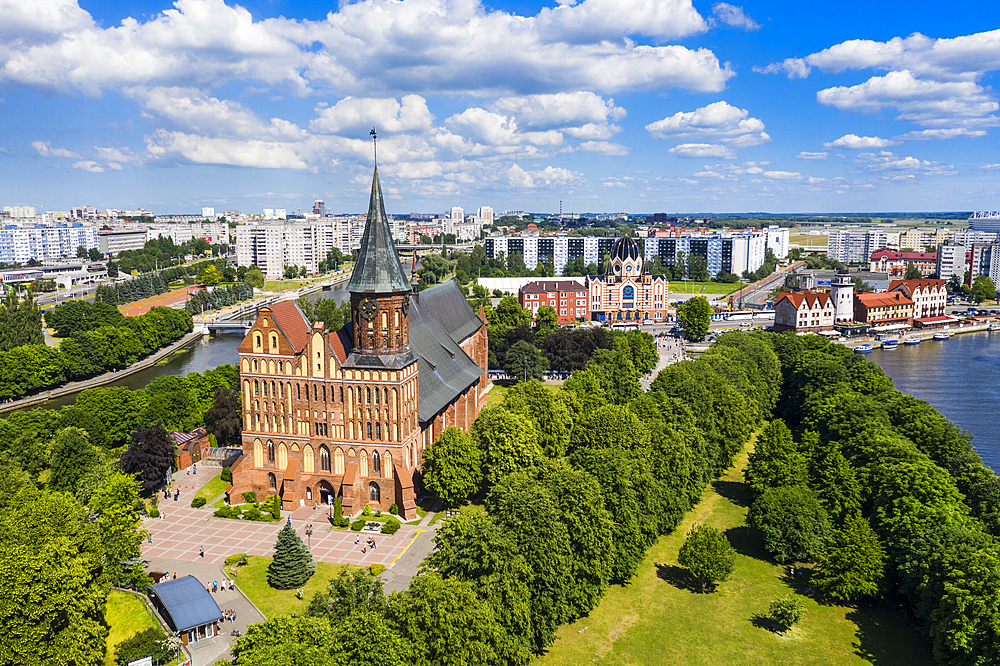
[325,492]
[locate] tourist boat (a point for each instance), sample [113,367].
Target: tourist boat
[943,335]
[911,341]
[863,349]
[994,328]
[890,344]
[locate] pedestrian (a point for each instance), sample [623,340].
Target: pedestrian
[358,540]
[150,538]
[215,586]
[201,552]
[373,544]
[364,550]
[175,575]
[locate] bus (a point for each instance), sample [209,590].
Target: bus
[751,315]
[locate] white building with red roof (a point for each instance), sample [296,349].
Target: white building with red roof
[804,312]
[929,296]
[895,263]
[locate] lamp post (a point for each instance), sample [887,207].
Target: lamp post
[309,533]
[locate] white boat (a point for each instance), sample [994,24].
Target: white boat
[994,328]
[943,335]
[890,344]
[863,349]
[911,341]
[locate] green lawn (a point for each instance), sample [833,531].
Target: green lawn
[252,580]
[126,616]
[808,240]
[692,288]
[656,619]
[468,507]
[215,487]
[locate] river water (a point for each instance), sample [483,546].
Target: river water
[960,377]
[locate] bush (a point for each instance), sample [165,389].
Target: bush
[147,643]
[338,511]
[344,521]
[367,511]
[253,513]
[376,569]
[391,526]
[227,475]
[198,502]
[238,558]
[153,512]
[393,509]
[273,505]
[228,512]
[786,611]
[358,524]
[250,497]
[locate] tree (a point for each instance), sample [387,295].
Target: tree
[150,642]
[775,461]
[786,611]
[332,313]
[698,268]
[523,362]
[435,266]
[71,457]
[707,555]
[150,454]
[694,317]
[286,641]
[548,318]
[223,418]
[366,638]
[210,276]
[547,410]
[983,289]
[509,443]
[453,466]
[912,272]
[255,277]
[861,287]
[792,520]
[350,592]
[292,565]
[81,252]
[507,315]
[850,566]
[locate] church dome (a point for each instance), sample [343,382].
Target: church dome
[624,249]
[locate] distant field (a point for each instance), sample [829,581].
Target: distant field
[656,619]
[805,240]
[693,288]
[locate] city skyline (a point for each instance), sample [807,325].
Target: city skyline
[604,105]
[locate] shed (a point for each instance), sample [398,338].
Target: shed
[188,608]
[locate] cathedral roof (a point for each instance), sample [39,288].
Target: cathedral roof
[378,269]
[625,248]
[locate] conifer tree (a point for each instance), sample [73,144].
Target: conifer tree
[293,564]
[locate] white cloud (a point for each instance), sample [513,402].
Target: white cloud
[733,16]
[118,155]
[703,150]
[192,110]
[370,48]
[89,165]
[582,114]
[783,175]
[604,148]
[40,18]
[497,130]
[359,114]
[718,121]
[518,177]
[811,156]
[990,167]
[934,134]
[115,165]
[908,166]
[45,149]
[924,102]
[221,150]
[855,142]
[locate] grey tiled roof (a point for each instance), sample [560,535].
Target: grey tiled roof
[440,318]
[187,603]
[378,269]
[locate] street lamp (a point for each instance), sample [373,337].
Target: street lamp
[309,533]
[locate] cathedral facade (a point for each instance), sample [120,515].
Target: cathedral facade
[627,292]
[349,413]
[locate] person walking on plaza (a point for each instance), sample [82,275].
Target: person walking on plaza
[201,552]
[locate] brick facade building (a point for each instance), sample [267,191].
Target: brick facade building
[804,312]
[349,413]
[568,297]
[627,291]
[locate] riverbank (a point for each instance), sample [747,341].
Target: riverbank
[100,380]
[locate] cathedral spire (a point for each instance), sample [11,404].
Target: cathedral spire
[378,269]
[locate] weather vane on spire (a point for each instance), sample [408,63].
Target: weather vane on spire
[374,136]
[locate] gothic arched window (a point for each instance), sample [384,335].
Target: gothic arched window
[324,458]
[270,452]
[369,430]
[373,492]
[378,431]
[368,396]
[272,481]
[376,464]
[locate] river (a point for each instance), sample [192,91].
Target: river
[960,377]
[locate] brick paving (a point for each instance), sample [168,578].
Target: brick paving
[183,531]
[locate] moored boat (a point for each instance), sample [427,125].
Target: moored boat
[911,341]
[863,349]
[994,328]
[943,335]
[890,344]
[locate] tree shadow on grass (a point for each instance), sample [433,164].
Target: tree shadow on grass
[879,634]
[679,578]
[734,491]
[766,623]
[747,542]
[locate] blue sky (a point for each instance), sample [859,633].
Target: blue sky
[605,105]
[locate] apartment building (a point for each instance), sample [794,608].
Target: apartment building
[951,260]
[24,241]
[804,312]
[857,246]
[273,244]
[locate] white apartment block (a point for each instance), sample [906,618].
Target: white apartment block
[485,215]
[951,261]
[215,233]
[21,242]
[857,246]
[20,211]
[208,212]
[777,240]
[271,245]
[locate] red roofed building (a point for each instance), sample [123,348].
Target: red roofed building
[348,413]
[804,312]
[883,308]
[929,296]
[190,446]
[895,262]
[568,297]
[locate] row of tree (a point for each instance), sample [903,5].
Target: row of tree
[885,494]
[20,322]
[30,368]
[219,297]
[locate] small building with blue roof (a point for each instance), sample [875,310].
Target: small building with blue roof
[188,608]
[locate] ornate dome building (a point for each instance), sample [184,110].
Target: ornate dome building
[627,292]
[349,413]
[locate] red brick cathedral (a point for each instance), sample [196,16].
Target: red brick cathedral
[349,413]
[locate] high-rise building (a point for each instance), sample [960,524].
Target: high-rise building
[208,212]
[20,243]
[951,261]
[319,208]
[485,215]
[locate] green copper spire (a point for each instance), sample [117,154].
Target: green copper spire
[378,269]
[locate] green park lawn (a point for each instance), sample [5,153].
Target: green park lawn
[215,487]
[658,619]
[126,616]
[252,580]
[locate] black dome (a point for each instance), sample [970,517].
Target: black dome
[625,248]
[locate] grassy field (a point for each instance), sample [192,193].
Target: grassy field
[499,391]
[657,619]
[805,240]
[126,616]
[689,287]
[215,487]
[252,579]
